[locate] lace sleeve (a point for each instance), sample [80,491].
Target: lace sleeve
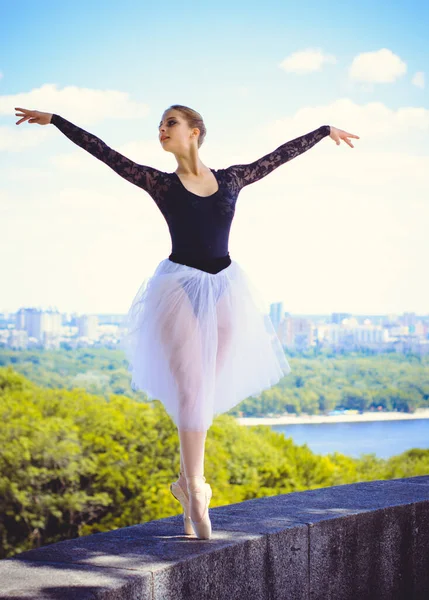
[246,174]
[140,175]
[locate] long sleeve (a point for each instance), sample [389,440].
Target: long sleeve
[249,173]
[140,175]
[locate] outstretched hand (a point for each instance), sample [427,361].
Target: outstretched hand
[33,116]
[339,134]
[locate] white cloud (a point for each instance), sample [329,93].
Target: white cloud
[419,79]
[374,122]
[12,140]
[306,61]
[88,106]
[5,201]
[20,174]
[336,228]
[340,227]
[242,91]
[381,66]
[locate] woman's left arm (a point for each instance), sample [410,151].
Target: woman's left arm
[249,173]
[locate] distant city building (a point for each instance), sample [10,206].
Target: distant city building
[41,325]
[111,319]
[276,313]
[407,333]
[409,319]
[50,340]
[17,339]
[296,332]
[339,317]
[421,329]
[349,335]
[87,326]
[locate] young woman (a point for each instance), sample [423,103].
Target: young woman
[196,334]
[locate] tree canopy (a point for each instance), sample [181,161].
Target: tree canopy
[74,462]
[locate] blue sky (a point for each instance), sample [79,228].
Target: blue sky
[336,229]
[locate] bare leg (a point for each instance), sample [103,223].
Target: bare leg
[182,340]
[192,448]
[192,444]
[224,330]
[181,336]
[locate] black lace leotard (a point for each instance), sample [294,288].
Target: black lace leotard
[199,225]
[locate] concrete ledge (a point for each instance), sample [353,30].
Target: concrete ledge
[361,541]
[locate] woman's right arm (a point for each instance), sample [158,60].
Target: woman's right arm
[140,175]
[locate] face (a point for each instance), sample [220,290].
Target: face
[179,136]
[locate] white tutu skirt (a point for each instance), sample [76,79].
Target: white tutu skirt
[200,342]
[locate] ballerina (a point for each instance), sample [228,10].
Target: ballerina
[196,334]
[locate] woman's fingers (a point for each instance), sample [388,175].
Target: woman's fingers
[344,135]
[33,116]
[23,110]
[23,119]
[21,113]
[26,115]
[339,134]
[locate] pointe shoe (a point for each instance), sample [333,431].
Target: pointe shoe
[196,487]
[180,495]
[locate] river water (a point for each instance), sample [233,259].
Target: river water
[384,438]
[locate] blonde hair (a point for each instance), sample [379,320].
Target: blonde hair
[193,118]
